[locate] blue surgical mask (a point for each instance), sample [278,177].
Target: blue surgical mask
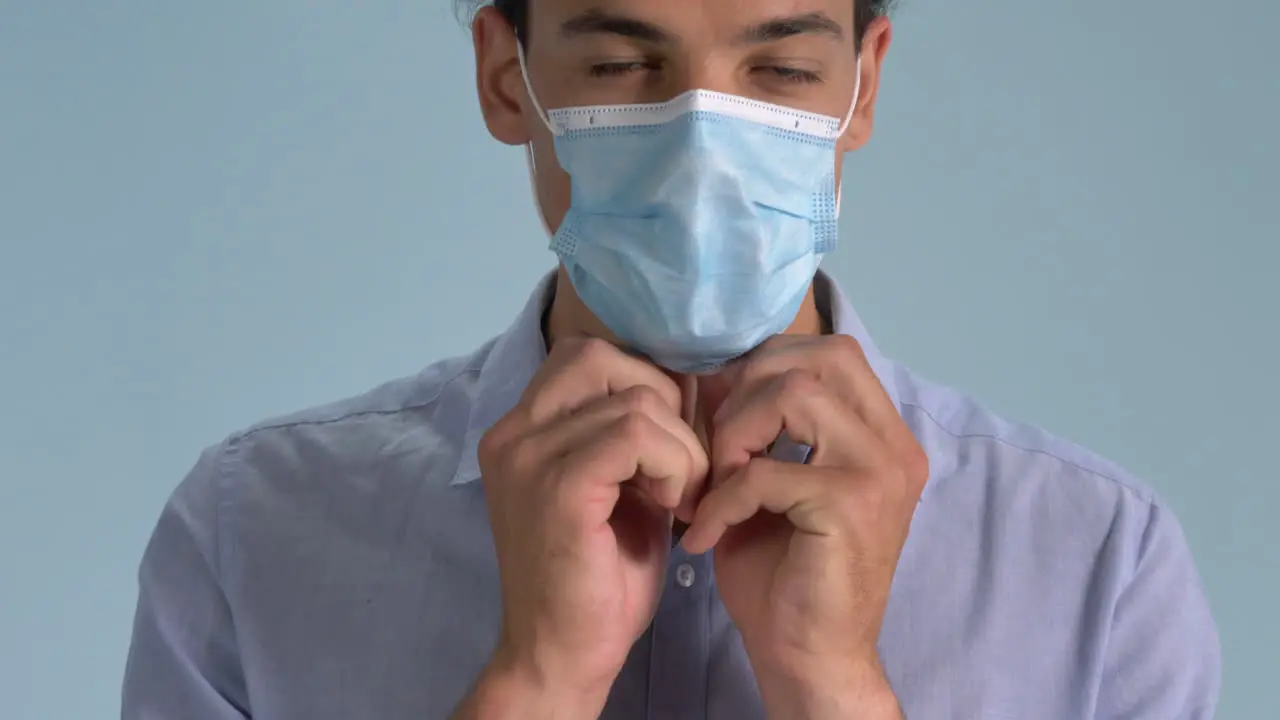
[695,226]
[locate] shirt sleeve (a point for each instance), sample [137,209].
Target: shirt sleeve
[183,660]
[1163,657]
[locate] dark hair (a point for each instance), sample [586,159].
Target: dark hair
[517,13]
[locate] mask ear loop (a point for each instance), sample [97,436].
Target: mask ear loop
[848,118]
[528,147]
[528,86]
[533,185]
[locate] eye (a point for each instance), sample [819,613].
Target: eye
[611,69]
[791,74]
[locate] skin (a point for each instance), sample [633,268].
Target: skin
[585,477]
[702,50]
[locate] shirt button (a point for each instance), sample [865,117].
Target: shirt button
[685,575]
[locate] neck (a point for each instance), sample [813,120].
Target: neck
[568,316]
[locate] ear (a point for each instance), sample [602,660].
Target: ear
[875,44]
[499,84]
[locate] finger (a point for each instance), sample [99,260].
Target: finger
[764,484]
[745,378]
[579,370]
[795,403]
[583,427]
[571,431]
[839,362]
[633,445]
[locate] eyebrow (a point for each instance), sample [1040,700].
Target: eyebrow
[599,22]
[814,23]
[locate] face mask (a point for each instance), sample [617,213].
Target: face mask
[695,226]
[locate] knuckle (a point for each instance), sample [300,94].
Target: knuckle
[700,460]
[492,442]
[694,462]
[915,464]
[633,427]
[799,383]
[496,442]
[844,347]
[592,351]
[642,399]
[839,354]
[523,457]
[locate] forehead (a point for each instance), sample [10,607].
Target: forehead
[688,20]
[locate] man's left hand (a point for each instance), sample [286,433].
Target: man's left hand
[805,554]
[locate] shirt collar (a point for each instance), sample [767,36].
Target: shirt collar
[516,355]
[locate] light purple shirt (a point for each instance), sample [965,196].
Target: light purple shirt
[338,563]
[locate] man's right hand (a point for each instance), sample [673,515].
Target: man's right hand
[581,479]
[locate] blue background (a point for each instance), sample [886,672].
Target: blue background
[215,212]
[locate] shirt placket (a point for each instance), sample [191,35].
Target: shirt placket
[680,640]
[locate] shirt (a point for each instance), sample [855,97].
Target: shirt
[339,563]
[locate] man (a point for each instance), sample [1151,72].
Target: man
[681,484]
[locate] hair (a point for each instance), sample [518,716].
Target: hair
[517,13]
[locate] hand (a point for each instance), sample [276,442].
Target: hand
[581,479]
[805,554]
